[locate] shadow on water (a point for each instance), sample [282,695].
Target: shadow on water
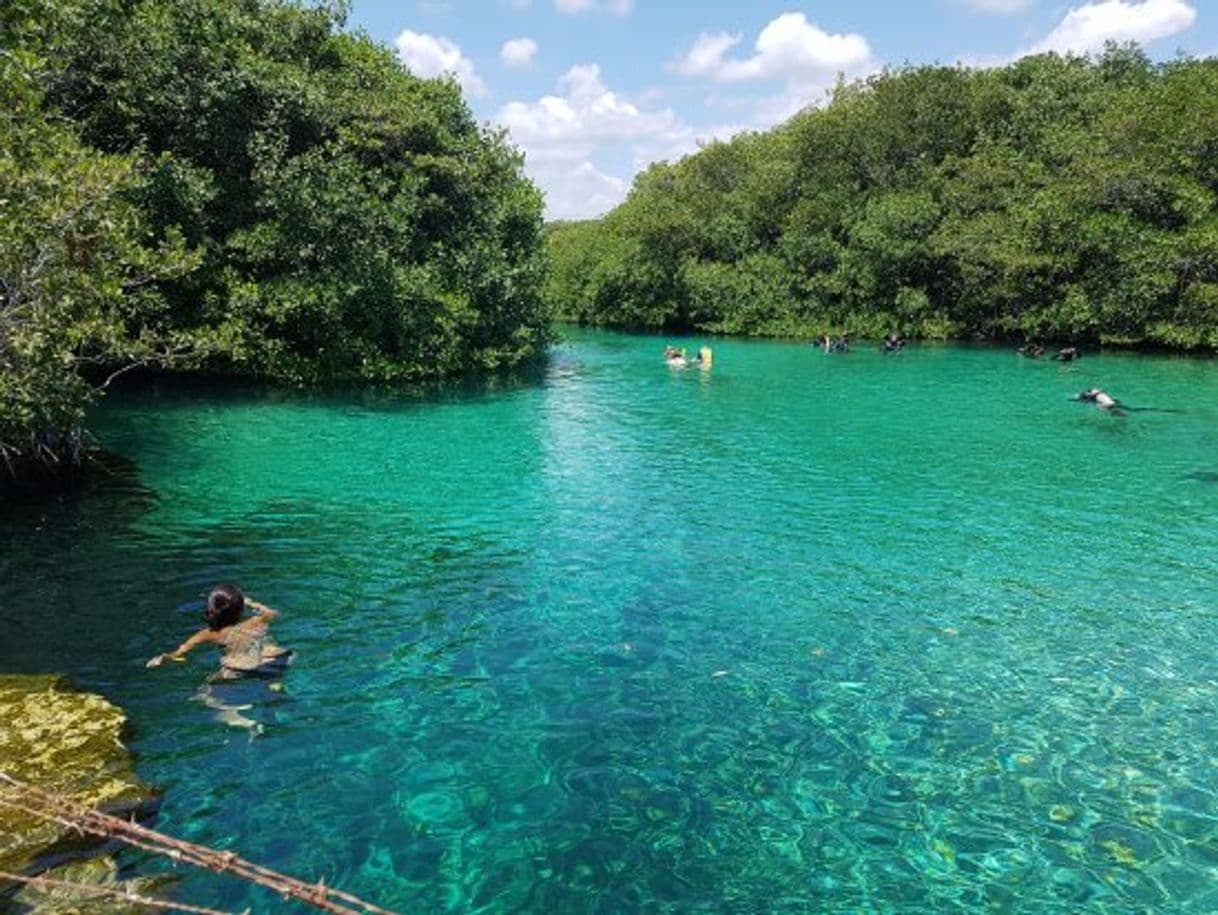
[1122,409]
[44,538]
[183,389]
[108,490]
[1201,476]
[32,485]
[1126,408]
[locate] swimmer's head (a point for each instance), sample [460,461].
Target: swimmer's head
[225,605]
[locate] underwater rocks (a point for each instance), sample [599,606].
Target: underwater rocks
[68,742]
[99,873]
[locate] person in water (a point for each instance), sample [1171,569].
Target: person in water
[1067,354]
[836,344]
[245,644]
[1100,398]
[675,357]
[894,343]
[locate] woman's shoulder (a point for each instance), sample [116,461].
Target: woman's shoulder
[241,629]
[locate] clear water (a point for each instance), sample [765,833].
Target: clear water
[804,633]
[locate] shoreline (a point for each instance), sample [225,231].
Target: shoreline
[1111,346]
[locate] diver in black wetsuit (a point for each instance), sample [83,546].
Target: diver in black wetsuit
[1101,399]
[1107,402]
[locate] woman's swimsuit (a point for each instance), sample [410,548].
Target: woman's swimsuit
[248,651]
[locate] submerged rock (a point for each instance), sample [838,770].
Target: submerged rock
[69,742]
[100,873]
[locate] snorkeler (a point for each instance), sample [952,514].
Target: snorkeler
[1067,354]
[675,358]
[1107,402]
[1100,398]
[836,344]
[245,644]
[894,343]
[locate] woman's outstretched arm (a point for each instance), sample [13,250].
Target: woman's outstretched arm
[179,653]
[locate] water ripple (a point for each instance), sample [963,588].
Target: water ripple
[802,633]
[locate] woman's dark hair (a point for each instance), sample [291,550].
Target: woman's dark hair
[225,605]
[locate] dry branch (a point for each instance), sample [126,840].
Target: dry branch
[57,809]
[104,892]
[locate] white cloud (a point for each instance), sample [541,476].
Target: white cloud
[705,58]
[584,114]
[518,52]
[1086,28]
[565,135]
[789,47]
[617,7]
[679,144]
[431,55]
[581,192]
[583,142]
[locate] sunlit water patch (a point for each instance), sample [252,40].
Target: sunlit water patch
[802,633]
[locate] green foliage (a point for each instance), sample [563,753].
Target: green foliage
[77,274]
[1057,197]
[356,222]
[243,187]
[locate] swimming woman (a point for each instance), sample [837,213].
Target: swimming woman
[247,650]
[245,644]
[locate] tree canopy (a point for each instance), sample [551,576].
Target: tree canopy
[244,187]
[1066,198]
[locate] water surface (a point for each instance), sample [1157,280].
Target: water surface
[804,633]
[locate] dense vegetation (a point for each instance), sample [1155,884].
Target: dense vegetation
[1065,198]
[240,186]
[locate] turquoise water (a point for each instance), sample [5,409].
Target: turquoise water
[804,633]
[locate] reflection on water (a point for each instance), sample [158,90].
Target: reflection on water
[801,633]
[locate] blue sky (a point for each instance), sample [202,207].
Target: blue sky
[595,90]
